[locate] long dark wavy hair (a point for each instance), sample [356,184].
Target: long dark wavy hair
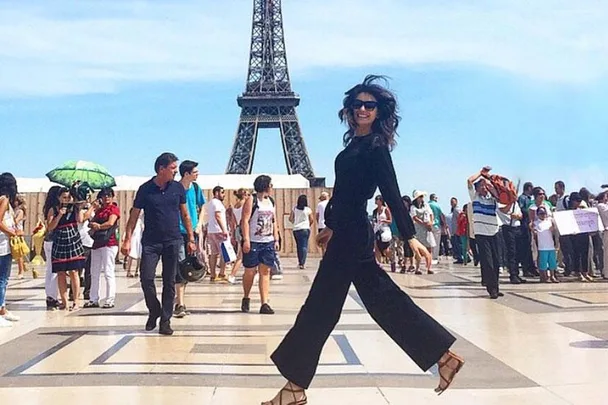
[8,187]
[52,200]
[302,202]
[387,119]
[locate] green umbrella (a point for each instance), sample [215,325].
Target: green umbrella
[95,175]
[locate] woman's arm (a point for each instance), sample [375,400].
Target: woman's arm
[292,215]
[53,219]
[532,216]
[231,218]
[89,213]
[106,225]
[20,215]
[389,216]
[79,214]
[382,166]
[311,218]
[3,228]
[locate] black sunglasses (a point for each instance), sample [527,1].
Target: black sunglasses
[368,105]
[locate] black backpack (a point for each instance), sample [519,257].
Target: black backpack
[256,205]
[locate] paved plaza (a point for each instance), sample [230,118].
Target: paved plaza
[539,345]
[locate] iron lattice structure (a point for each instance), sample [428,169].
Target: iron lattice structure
[268,100]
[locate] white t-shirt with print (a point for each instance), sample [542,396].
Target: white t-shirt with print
[214,206]
[261,223]
[544,234]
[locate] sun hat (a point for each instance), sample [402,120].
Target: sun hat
[418,193]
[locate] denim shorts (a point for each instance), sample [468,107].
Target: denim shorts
[260,253]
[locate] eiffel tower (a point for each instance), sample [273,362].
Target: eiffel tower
[268,100]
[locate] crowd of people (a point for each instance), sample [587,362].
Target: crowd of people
[81,241]
[520,238]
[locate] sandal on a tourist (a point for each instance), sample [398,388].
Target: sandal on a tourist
[449,365]
[289,396]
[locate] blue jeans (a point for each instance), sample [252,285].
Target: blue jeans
[5,271]
[302,237]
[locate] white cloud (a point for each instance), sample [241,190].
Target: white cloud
[84,47]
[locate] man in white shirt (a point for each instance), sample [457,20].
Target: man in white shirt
[217,232]
[323,201]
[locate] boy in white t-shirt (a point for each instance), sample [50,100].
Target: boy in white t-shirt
[547,255]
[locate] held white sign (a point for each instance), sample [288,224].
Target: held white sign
[573,222]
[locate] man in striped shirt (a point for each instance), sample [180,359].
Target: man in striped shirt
[485,224]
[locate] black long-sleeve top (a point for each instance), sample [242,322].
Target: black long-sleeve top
[364,165]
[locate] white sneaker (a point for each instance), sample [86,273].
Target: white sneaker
[11,317]
[4,323]
[232,279]
[435,262]
[276,277]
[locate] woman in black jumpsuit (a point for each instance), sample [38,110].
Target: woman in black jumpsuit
[364,164]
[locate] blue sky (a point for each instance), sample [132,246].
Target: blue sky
[520,87]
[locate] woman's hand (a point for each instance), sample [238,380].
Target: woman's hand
[63,211]
[94,226]
[324,236]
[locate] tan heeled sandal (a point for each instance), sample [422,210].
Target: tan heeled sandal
[452,371]
[289,388]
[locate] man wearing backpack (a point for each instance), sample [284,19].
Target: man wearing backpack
[260,242]
[195,200]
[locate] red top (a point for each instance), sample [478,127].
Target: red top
[463,225]
[101,216]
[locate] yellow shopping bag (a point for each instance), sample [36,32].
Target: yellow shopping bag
[18,247]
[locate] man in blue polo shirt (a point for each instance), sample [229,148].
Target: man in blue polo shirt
[164,201]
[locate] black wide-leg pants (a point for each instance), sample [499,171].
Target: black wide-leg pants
[349,259]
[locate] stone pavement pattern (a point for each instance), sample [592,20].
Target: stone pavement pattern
[540,344]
